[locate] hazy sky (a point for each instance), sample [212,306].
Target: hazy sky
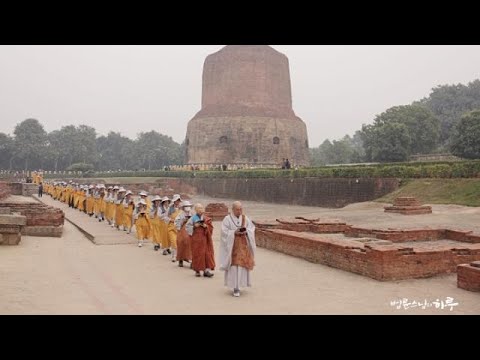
[138,88]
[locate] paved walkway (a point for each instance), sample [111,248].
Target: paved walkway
[71,275]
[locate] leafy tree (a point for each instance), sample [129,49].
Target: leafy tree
[113,151]
[30,140]
[154,150]
[466,138]
[450,102]
[85,145]
[389,142]
[418,133]
[6,151]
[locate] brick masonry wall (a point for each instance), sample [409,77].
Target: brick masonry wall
[468,276]
[246,103]
[247,140]
[216,211]
[29,189]
[334,192]
[15,188]
[22,189]
[372,259]
[37,214]
[4,190]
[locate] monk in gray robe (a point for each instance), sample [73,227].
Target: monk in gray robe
[237,249]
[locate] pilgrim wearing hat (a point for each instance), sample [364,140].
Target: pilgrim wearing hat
[90,200]
[142,222]
[113,199]
[101,202]
[162,213]
[173,212]
[119,208]
[109,205]
[184,252]
[128,208]
[155,222]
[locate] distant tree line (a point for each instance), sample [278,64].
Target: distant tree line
[81,148]
[447,121]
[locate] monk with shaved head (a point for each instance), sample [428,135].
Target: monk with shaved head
[237,249]
[200,228]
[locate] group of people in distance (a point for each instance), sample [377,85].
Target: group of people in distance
[174,226]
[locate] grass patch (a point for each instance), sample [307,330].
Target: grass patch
[439,191]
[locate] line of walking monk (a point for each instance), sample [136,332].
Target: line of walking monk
[173,226]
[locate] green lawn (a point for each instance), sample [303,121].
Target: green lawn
[439,191]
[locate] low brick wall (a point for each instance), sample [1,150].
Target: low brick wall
[468,276]
[29,189]
[316,226]
[380,262]
[23,189]
[11,227]
[42,220]
[216,211]
[4,190]
[376,253]
[408,206]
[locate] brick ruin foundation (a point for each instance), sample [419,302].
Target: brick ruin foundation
[468,276]
[408,206]
[381,254]
[23,189]
[216,211]
[4,190]
[41,220]
[11,227]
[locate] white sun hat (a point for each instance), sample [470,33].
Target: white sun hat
[186,203]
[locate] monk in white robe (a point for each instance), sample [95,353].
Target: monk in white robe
[237,249]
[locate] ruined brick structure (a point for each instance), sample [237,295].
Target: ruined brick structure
[408,206]
[216,211]
[382,254]
[41,220]
[468,276]
[246,115]
[11,227]
[4,190]
[17,188]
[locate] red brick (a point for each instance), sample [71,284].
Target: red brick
[468,277]
[408,206]
[381,262]
[216,211]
